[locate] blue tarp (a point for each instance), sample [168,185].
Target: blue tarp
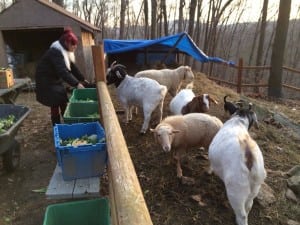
[181,42]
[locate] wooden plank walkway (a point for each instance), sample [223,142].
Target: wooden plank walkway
[78,188]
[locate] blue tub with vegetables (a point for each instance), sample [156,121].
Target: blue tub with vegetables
[80,149]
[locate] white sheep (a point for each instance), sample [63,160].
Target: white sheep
[171,78]
[186,101]
[141,92]
[182,132]
[236,158]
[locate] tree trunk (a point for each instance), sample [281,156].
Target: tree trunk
[180,18]
[164,17]
[153,18]
[261,43]
[275,78]
[122,18]
[146,14]
[193,5]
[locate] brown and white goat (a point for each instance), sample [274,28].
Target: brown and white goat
[237,159]
[187,102]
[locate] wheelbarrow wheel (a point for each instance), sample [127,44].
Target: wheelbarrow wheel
[11,158]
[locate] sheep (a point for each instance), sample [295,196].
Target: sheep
[181,132]
[237,159]
[141,92]
[171,78]
[186,102]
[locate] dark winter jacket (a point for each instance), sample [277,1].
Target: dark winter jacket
[52,71]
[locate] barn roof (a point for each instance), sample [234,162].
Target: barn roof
[181,42]
[39,13]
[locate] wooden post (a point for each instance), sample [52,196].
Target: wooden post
[127,201]
[99,62]
[239,77]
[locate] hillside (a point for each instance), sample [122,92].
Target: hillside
[169,201]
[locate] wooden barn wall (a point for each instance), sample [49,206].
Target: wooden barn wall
[3,57]
[87,42]
[30,35]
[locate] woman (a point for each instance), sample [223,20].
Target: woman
[57,66]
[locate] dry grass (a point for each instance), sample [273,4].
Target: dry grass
[170,202]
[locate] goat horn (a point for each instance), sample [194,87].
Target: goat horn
[250,105]
[119,65]
[239,104]
[113,64]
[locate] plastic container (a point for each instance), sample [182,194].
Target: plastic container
[81,112]
[83,212]
[81,161]
[84,95]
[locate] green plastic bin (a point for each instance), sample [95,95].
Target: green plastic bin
[81,113]
[84,95]
[83,212]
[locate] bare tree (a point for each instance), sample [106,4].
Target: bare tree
[164,16]
[193,6]
[87,7]
[180,18]
[153,18]
[275,77]
[124,5]
[261,42]
[192,11]
[146,15]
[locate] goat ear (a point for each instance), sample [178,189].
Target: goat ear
[175,131]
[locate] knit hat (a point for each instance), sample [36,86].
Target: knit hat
[68,37]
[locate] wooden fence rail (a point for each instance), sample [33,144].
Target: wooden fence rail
[126,197]
[240,68]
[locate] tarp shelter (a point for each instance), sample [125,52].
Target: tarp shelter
[162,49]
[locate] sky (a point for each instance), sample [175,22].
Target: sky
[251,14]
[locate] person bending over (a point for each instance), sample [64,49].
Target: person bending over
[55,67]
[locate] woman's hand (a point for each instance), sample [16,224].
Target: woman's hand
[80,86]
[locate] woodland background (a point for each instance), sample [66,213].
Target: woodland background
[222,28]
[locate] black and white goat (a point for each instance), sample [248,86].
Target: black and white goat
[141,92]
[237,159]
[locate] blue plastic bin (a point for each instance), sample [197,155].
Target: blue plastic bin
[82,161]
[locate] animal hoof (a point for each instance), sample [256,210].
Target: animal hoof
[187,180]
[142,132]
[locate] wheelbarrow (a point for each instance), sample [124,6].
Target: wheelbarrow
[9,146]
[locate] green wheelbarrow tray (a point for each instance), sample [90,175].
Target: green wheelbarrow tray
[9,147]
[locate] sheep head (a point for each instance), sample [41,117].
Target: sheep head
[164,135]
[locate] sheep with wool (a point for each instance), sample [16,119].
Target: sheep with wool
[186,102]
[171,78]
[237,159]
[141,92]
[182,132]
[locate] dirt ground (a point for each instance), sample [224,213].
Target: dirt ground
[168,201]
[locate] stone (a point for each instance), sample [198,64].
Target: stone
[289,194]
[266,195]
[295,171]
[294,184]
